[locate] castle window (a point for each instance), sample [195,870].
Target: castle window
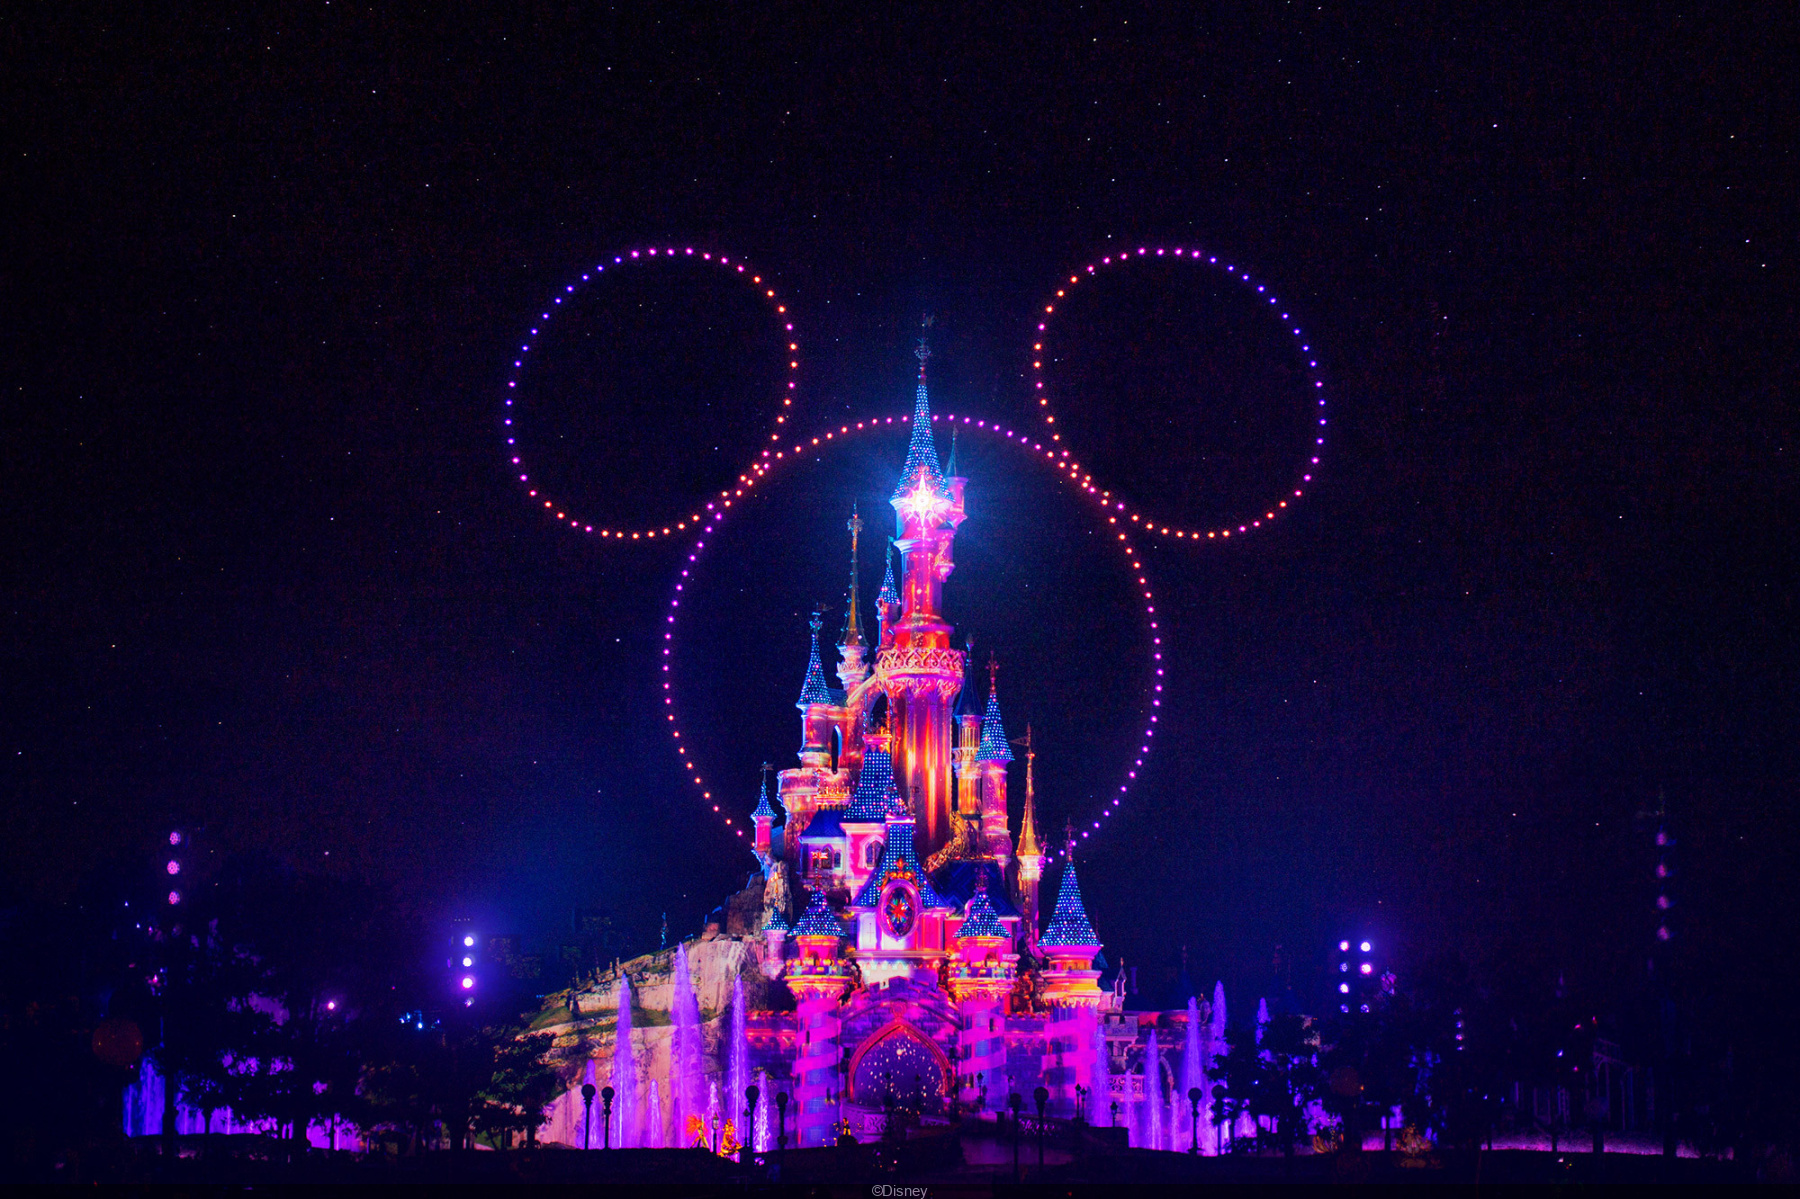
[872,854]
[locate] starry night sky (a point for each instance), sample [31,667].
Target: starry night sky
[265,571]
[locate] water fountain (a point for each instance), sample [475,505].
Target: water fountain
[654,1137]
[685,1048]
[1099,1111]
[1192,1064]
[1153,1122]
[738,1060]
[624,1074]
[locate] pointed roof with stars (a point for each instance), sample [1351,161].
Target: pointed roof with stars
[874,788]
[980,919]
[993,734]
[763,810]
[888,593]
[819,920]
[899,860]
[814,690]
[1069,923]
[921,469]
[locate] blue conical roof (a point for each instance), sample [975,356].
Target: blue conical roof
[776,922]
[887,594]
[899,858]
[980,919]
[869,802]
[814,690]
[921,451]
[993,735]
[819,920]
[1069,924]
[762,809]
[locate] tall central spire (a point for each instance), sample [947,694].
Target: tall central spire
[920,671]
[921,479]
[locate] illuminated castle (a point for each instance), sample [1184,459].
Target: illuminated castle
[912,907]
[888,954]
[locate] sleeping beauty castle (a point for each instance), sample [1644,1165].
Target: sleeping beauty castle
[890,952]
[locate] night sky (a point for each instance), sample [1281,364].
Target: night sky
[265,275]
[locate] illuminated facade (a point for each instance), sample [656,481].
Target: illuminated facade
[918,972]
[889,953]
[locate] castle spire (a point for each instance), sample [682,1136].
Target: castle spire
[813,690]
[853,634]
[1069,923]
[763,810]
[921,487]
[851,669]
[1028,842]
[888,593]
[993,735]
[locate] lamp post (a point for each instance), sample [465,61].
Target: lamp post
[1015,1103]
[1041,1096]
[1194,1102]
[606,1098]
[587,1115]
[781,1102]
[747,1142]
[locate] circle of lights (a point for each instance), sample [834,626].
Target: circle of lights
[1072,467]
[814,446]
[1056,455]
[564,513]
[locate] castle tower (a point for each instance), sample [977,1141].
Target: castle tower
[981,978]
[818,716]
[1073,994]
[851,667]
[968,738]
[1071,945]
[900,916]
[763,817]
[818,976]
[991,759]
[1031,856]
[920,673]
[887,602]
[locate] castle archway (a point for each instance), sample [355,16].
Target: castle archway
[901,1062]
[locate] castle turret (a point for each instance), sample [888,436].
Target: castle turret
[763,817]
[1071,989]
[968,739]
[920,673]
[900,916]
[818,716]
[981,978]
[818,976]
[1030,854]
[1071,945]
[851,650]
[992,756]
[887,601]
